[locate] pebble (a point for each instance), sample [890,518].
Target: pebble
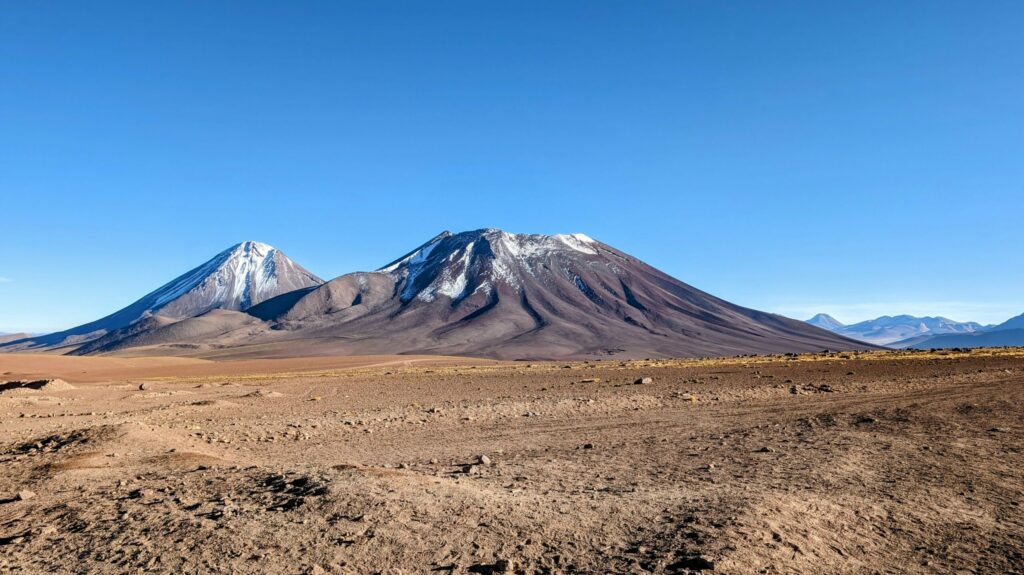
[643,380]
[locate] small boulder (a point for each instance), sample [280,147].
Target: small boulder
[643,380]
[25,495]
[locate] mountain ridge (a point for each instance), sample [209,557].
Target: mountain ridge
[496,294]
[1008,333]
[890,329]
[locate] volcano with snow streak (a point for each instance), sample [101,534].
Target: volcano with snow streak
[496,294]
[235,279]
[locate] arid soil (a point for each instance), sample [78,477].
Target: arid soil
[882,462]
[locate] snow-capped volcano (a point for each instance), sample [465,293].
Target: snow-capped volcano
[498,294]
[460,265]
[235,279]
[825,321]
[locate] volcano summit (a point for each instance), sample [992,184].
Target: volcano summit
[235,279]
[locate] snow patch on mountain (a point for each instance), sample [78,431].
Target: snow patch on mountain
[495,256]
[455,287]
[242,275]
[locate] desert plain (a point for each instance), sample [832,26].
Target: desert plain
[875,462]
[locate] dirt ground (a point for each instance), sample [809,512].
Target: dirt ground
[885,462]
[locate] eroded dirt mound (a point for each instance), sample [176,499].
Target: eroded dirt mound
[48,385]
[130,444]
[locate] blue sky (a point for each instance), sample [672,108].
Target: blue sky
[853,158]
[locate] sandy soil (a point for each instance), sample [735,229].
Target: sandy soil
[871,463]
[121,368]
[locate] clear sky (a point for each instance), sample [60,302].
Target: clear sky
[853,158]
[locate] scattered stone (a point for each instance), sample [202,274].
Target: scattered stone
[766,449]
[591,380]
[643,380]
[25,495]
[263,393]
[530,414]
[499,566]
[588,446]
[144,386]
[696,563]
[483,460]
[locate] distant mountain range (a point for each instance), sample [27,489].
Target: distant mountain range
[1008,333]
[484,293]
[906,331]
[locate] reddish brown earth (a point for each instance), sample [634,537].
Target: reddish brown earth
[885,462]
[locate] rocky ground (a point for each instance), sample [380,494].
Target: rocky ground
[894,462]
